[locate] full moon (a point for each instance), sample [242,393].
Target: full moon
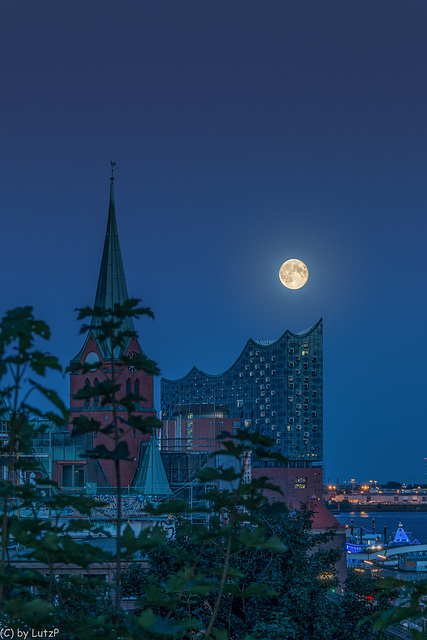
[293,274]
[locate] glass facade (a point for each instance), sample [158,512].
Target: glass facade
[276,387]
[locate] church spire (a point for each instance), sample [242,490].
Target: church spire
[111,287]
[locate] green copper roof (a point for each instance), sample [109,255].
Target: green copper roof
[150,478]
[111,287]
[112,282]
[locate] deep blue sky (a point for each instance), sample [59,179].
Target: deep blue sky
[245,133]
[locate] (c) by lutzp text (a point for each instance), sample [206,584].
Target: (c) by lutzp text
[7,633]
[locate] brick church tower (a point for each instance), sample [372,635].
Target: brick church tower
[111,290]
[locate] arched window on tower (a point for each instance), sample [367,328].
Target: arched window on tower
[87,401]
[136,387]
[128,387]
[96,398]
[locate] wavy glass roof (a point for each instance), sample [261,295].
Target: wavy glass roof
[262,344]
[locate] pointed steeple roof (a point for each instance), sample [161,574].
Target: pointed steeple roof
[111,287]
[150,478]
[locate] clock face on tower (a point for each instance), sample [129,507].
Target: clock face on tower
[92,358]
[131,368]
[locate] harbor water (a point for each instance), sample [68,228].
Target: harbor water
[414,522]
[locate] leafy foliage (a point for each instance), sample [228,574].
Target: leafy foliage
[245,573]
[273,588]
[27,597]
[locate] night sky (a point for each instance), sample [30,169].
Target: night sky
[245,133]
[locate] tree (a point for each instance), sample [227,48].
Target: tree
[391,484]
[246,572]
[270,594]
[26,597]
[112,334]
